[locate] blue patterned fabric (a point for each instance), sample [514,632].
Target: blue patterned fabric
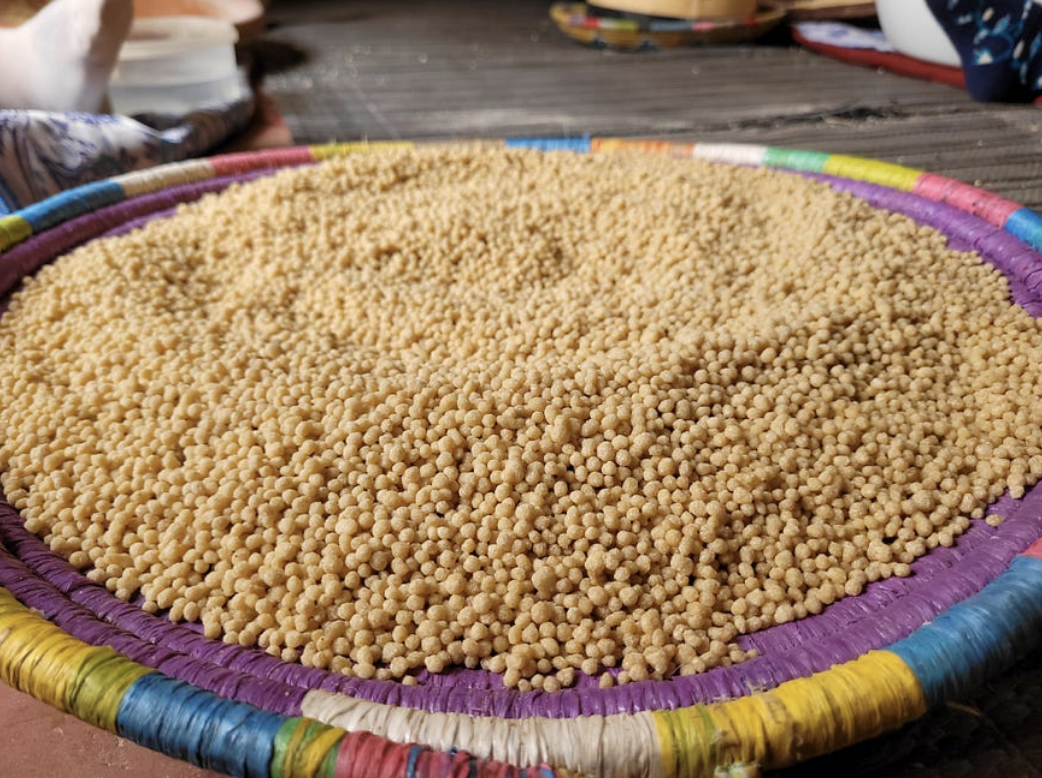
[999,43]
[44,153]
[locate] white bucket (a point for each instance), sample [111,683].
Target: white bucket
[175,64]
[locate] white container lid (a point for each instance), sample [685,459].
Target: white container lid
[165,36]
[176,64]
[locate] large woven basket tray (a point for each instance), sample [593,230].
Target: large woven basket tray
[866,665]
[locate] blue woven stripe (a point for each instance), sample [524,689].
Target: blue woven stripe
[414,755]
[196,726]
[68,205]
[581,145]
[972,641]
[1026,225]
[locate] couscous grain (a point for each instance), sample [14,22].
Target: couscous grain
[540,413]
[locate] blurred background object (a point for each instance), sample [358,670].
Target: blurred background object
[803,10]
[14,12]
[683,9]
[911,29]
[62,57]
[246,15]
[628,31]
[175,64]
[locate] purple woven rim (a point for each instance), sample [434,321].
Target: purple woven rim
[884,613]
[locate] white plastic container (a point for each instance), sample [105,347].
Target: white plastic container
[910,27]
[175,64]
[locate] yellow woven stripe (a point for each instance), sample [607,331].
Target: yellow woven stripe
[687,742]
[339,149]
[41,660]
[883,173]
[13,230]
[35,656]
[812,716]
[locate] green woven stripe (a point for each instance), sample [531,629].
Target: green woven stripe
[94,693]
[687,741]
[796,159]
[305,748]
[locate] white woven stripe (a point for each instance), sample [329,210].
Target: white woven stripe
[619,746]
[734,153]
[154,179]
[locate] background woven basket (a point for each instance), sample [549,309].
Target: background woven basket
[683,9]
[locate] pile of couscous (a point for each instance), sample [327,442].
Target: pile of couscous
[545,414]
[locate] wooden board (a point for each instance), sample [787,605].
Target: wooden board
[246,15]
[807,10]
[374,70]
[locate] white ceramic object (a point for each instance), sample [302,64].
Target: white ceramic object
[176,64]
[910,27]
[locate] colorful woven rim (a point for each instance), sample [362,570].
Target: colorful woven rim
[866,665]
[584,24]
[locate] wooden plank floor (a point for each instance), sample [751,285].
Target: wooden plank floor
[482,68]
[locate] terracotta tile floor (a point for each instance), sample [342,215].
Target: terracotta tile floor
[39,741]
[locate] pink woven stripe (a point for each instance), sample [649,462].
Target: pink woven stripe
[986,205]
[1034,550]
[231,164]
